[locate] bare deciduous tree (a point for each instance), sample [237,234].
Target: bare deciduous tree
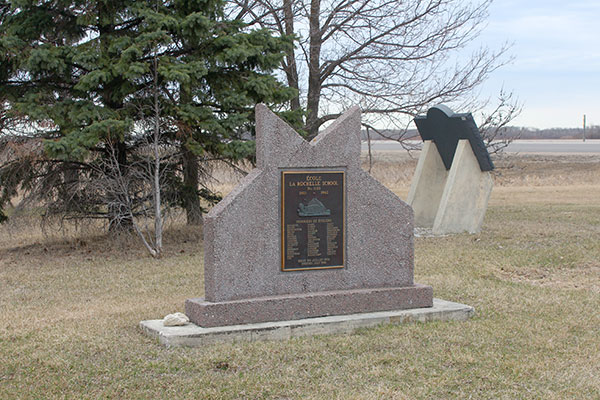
[135,190]
[494,124]
[393,58]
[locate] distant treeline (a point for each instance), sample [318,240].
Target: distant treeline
[592,132]
[394,134]
[510,132]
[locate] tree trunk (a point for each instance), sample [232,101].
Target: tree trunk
[158,218]
[71,185]
[191,172]
[314,70]
[191,200]
[119,216]
[290,68]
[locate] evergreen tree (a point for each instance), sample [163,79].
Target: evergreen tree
[75,74]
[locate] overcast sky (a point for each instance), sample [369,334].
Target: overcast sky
[556,67]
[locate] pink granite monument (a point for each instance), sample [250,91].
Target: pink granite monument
[307,233]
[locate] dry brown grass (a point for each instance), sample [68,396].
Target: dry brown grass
[395,169]
[70,305]
[548,170]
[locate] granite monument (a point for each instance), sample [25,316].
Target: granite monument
[307,233]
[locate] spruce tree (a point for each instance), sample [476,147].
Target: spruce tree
[75,76]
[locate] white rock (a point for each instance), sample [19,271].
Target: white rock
[177,319]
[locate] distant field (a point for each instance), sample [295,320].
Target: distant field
[395,170]
[70,305]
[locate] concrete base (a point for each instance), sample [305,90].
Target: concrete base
[466,194]
[427,185]
[452,201]
[195,336]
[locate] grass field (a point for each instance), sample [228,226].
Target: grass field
[70,306]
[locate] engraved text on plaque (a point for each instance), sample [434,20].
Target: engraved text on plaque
[312,219]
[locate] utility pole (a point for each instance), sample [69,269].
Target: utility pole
[584,127]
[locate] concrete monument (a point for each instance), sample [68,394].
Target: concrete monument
[452,183]
[307,233]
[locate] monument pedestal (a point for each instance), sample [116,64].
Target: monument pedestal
[466,194]
[195,336]
[452,201]
[307,305]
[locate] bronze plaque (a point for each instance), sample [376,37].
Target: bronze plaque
[313,216]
